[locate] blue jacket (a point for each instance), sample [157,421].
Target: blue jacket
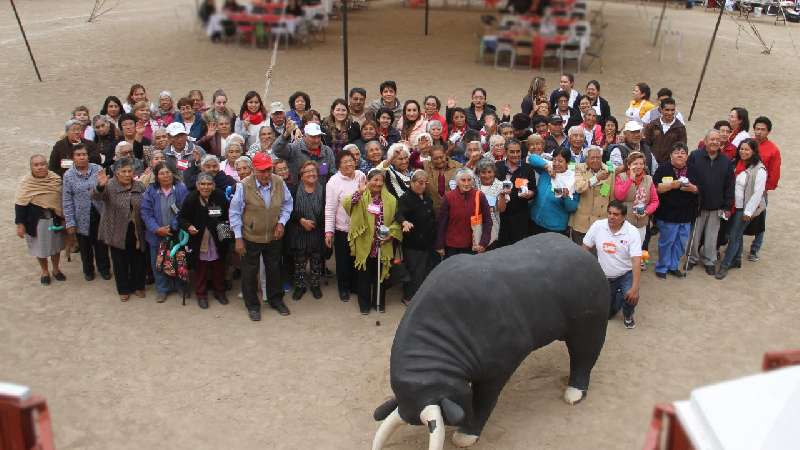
[548,211]
[198,128]
[151,210]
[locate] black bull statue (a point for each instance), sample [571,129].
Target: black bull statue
[476,318]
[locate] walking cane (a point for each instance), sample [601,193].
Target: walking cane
[689,246]
[383,233]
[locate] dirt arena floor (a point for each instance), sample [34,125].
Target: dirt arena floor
[142,375]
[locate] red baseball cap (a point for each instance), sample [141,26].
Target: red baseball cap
[262,161]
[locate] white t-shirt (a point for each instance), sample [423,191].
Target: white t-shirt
[614,250]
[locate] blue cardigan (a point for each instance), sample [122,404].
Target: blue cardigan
[548,211]
[151,210]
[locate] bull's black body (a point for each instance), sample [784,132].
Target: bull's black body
[476,318]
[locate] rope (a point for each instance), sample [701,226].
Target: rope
[274,58]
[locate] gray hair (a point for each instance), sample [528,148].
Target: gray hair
[208,158]
[372,143]
[234,139]
[36,156]
[160,130]
[496,139]
[70,123]
[708,134]
[122,163]
[576,131]
[484,164]
[350,148]
[594,148]
[419,173]
[395,148]
[121,145]
[433,123]
[503,126]
[99,118]
[202,176]
[465,172]
[244,159]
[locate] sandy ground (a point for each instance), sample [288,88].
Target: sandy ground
[146,375]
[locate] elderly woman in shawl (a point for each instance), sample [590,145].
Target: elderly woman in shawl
[371,208]
[39,216]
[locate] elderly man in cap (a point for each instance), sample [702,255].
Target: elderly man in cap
[632,134]
[259,211]
[277,118]
[556,137]
[309,148]
[180,154]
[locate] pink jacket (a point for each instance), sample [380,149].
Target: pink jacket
[621,187]
[336,190]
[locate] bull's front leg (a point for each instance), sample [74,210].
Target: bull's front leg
[484,399]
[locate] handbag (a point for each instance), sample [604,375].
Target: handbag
[224,231]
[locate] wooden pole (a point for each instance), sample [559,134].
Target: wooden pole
[708,56]
[660,19]
[25,38]
[344,46]
[427,12]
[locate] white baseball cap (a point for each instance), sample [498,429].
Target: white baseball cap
[276,107]
[632,126]
[312,129]
[176,128]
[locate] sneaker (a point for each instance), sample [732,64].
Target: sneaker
[677,273]
[721,273]
[753,257]
[344,295]
[161,297]
[254,314]
[662,275]
[643,266]
[202,302]
[711,270]
[221,298]
[105,275]
[629,322]
[316,292]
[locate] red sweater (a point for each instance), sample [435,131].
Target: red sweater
[455,229]
[771,157]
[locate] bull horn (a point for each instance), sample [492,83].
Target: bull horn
[431,416]
[385,430]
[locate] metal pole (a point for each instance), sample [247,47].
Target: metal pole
[660,19]
[344,45]
[708,56]
[427,11]
[25,38]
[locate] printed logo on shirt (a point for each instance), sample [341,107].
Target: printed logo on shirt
[610,248]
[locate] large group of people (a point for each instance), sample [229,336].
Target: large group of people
[180,192]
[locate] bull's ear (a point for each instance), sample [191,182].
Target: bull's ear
[383,411]
[452,412]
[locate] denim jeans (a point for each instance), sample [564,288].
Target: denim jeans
[164,284]
[733,253]
[672,238]
[619,287]
[758,241]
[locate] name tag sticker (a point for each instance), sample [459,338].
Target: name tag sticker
[66,163]
[492,200]
[374,209]
[183,164]
[174,208]
[323,169]
[452,184]
[215,212]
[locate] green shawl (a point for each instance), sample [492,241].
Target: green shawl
[362,226]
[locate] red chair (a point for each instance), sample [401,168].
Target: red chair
[25,424]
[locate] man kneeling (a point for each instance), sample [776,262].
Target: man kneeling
[619,252]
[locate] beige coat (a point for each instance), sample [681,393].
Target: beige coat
[592,206]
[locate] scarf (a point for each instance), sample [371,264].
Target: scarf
[43,192]
[362,230]
[680,172]
[253,118]
[740,167]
